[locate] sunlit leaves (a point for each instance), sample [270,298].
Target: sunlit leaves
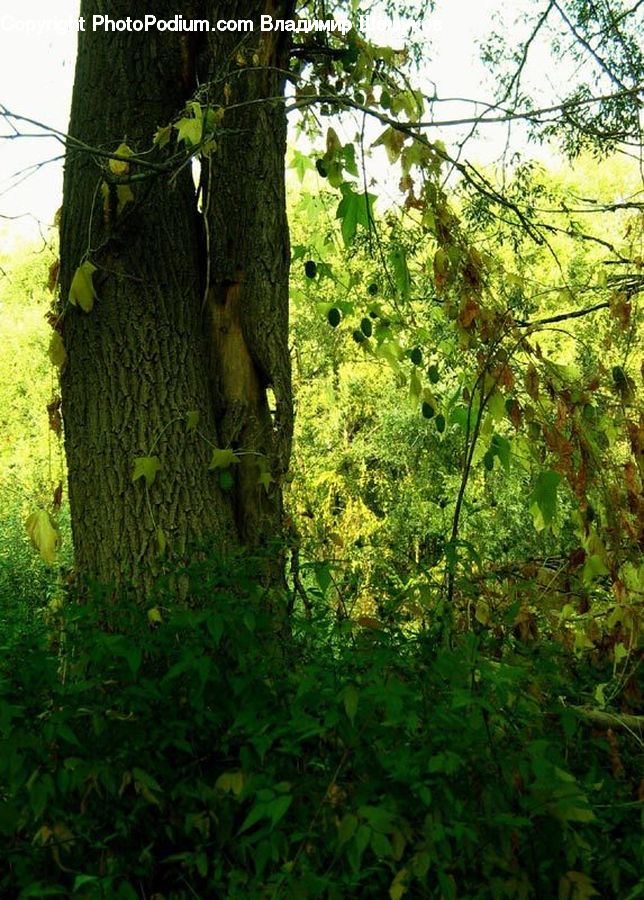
[56,352]
[121,166]
[43,535]
[190,127]
[392,140]
[301,163]
[82,292]
[400,271]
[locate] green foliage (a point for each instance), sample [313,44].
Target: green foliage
[31,464]
[184,750]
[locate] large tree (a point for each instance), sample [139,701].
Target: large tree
[176,392]
[188,333]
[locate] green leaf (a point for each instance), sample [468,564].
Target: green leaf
[398,261]
[301,163]
[346,828]
[162,542]
[162,136]
[381,845]
[82,880]
[354,209]
[146,467]
[543,500]
[278,807]
[350,699]
[501,447]
[257,813]
[189,130]
[222,459]
[226,480]
[192,419]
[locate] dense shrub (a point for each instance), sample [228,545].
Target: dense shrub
[197,751]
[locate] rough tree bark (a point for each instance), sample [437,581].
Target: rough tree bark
[157,344]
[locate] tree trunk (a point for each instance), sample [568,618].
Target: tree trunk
[247,298]
[148,352]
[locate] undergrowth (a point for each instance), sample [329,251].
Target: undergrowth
[167,750]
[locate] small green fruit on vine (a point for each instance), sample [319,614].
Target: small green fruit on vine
[366,327]
[310,268]
[440,423]
[428,410]
[373,289]
[416,356]
[433,374]
[334,316]
[358,336]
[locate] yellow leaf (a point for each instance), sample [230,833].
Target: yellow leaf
[393,142]
[482,613]
[231,782]
[398,887]
[121,166]
[154,616]
[56,352]
[44,535]
[82,290]
[124,195]
[189,130]
[577,886]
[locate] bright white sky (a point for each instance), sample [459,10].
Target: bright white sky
[36,75]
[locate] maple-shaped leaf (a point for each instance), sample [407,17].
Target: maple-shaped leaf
[189,130]
[222,459]
[192,419]
[354,209]
[392,140]
[82,291]
[121,166]
[162,136]
[265,479]
[146,467]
